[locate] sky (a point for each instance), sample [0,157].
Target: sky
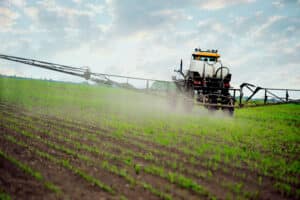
[259,40]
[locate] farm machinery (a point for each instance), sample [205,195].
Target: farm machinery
[206,83]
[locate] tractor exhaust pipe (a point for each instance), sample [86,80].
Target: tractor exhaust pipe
[180,69]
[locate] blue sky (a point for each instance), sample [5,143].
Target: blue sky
[257,39]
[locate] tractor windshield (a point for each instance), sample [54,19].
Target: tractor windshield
[205,58]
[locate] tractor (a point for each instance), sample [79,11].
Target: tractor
[206,82]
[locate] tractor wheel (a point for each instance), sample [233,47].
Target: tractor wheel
[213,101]
[229,110]
[212,109]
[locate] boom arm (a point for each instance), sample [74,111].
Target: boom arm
[76,71]
[82,72]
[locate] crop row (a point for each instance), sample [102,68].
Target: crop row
[152,169]
[28,170]
[180,180]
[210,162]
[257,163]
[90,178]
[132,141]
[150,157]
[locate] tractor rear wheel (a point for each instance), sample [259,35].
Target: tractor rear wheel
[230,109]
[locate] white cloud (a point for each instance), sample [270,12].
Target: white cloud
[204,23]
[258,13]
[278,4]
[219,4]
[94,8]
[17,3]
[171,14]
[291,28]
[259,31]
[68,12]
[7,19]
[129,17]
[104,27]
[67,25]
[32,12]
[239,20]
[77,1]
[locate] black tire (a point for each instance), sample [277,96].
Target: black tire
[212,109]
[228,111]
[212,100]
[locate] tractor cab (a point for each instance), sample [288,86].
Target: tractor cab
[204,63]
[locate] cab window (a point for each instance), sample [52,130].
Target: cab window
[214,59]
[207,58]
[196,57]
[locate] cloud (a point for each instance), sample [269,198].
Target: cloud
[144,16]
[32,12]
[11,3]
[148,38]
[260,30]
[94,8]
[253,46]
[77,1]
[219,4]
[18,3]
[68,13]
[62,26]
[291,1]
[278,4]
[131,16]
[7,19]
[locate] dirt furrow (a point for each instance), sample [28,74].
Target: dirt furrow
[19,184]
[72,186]
[131,192]
[217,174]
[221,175]
[213,185]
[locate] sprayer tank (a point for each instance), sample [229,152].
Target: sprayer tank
[203,68]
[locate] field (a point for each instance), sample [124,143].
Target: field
[76,141]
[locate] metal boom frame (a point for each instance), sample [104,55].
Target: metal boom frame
[83,72]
